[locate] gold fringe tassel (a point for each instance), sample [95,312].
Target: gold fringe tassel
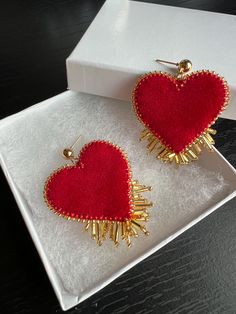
[191,153]
[123,230]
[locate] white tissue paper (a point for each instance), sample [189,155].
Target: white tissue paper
[30,149]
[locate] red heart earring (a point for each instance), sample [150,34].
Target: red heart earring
[97,189]
[178,111]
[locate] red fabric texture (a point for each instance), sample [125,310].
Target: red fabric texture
[97,187]
[178,111]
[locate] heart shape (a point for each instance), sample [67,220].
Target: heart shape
[178,111]
[97,187]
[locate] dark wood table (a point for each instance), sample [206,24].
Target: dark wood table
[196,273]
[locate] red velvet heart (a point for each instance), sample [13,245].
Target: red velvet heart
[177,111]
[97,187]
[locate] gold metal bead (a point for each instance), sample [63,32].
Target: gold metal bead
[184,66]
[68,153]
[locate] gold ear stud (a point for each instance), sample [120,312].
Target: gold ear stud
[184,65]
[68,153]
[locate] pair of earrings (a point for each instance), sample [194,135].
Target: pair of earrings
[98,189]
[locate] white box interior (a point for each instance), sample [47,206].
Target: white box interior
[30,148]
[127,36]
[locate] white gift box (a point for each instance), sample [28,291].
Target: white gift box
[107,62]
[30,149]
[127,36]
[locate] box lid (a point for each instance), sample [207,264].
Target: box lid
[127,36]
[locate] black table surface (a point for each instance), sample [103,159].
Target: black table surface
[195,273]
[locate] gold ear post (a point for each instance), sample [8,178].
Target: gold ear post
[184,65]
[68,153]
[168,62]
